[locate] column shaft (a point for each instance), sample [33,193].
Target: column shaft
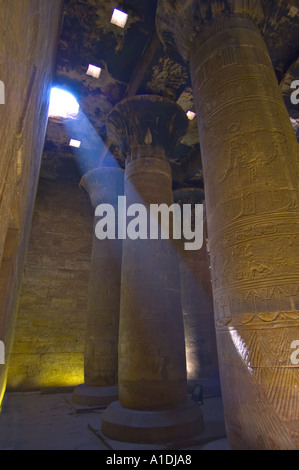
[152,353]
[101,341]
[197,305]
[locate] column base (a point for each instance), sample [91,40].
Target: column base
[152,427]
[94,396]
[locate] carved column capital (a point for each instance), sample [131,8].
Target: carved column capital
[103,185]
[180,22]
[146,125]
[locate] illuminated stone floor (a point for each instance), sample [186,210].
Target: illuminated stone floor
[49,421]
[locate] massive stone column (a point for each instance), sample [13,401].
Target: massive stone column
[250,165]
[153,404]
[197,304]
[103,185]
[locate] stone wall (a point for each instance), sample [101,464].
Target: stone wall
[52,313]
[29,32]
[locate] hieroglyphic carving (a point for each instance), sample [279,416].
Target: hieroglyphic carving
[257,306]
[252,223]
[266,253]
[223,58]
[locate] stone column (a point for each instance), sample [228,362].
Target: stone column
[153,405]
[197,305]
[103,185]
[250,164]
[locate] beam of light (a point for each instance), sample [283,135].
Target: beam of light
[93,152]
[91,155]
[63,104]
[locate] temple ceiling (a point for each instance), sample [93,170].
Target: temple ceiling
[133,61]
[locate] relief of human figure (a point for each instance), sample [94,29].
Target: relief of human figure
[252,165]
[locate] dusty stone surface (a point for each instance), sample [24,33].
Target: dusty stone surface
[34,421]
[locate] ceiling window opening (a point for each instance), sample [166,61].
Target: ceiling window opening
[93,71]
[191,115]
[119,18]
[63,105]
